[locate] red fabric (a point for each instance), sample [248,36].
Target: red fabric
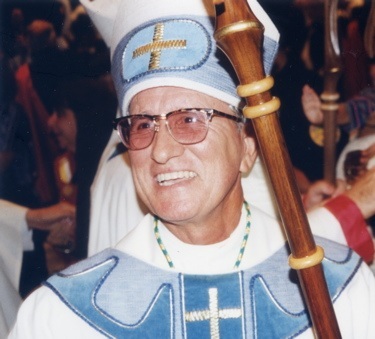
[353,225]
[45,148]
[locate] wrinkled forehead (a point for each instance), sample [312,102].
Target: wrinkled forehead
[165,99]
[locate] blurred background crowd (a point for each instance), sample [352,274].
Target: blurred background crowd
[57,103]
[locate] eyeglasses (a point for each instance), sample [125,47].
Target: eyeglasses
[187,126]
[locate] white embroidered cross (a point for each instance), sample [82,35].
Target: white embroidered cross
[213,314]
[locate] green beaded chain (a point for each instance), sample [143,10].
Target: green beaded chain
[240,254]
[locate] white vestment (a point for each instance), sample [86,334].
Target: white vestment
[44,315]
[14,239]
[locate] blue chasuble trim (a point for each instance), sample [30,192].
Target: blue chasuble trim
[121,296]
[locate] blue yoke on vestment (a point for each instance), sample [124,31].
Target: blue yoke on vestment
[123,297]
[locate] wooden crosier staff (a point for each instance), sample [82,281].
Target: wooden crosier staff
[330,96]
[240,35]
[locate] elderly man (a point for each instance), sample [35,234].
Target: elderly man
[204,262]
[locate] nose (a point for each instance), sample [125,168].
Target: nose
[164,147]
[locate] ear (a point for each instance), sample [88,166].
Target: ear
[250,154]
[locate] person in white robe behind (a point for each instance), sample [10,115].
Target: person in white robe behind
[16,226]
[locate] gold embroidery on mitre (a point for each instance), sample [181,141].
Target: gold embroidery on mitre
[157,46]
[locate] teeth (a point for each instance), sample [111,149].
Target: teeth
[162,178]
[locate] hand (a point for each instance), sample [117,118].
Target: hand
[311,105]
[317,193]
[45,218]
[362,192]
[62,235]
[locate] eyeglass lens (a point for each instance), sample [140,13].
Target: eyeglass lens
[186,127]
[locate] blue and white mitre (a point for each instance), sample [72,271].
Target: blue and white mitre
[170,43]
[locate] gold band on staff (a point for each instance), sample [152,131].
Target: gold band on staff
[329,106]
[308,261]
[237,27]
[258,87]
[325,96]
[252,112]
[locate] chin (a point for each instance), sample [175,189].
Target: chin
[175,212]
